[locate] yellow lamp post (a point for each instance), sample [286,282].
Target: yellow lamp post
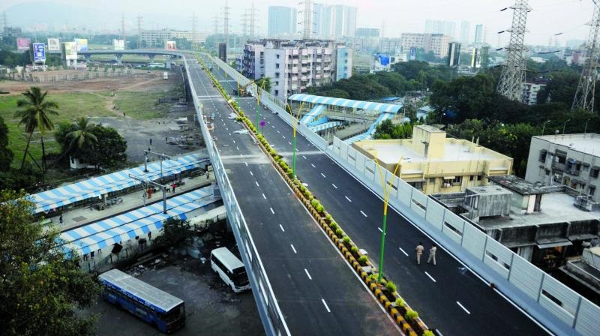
[387,190]
[295,121]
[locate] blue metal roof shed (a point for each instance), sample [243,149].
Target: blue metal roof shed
[341,102]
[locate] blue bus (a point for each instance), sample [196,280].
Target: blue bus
[161,309]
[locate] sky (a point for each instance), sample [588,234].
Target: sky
[547,18]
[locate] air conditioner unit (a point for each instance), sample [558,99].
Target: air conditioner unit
[585,203]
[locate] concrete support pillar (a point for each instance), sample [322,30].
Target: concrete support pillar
[88,58]
[151,57]
[118,58]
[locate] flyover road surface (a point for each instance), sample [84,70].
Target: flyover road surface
[448,297]
[317,291]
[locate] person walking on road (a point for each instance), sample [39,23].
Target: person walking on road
[432,251]
[419,249]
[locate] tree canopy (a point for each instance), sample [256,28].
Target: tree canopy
[387,130]
[40,286]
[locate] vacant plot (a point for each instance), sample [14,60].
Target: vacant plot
[137,96]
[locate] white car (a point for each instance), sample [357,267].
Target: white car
[242,131]
[232,116]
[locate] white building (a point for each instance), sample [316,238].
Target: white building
[437,43]
[479,35]
[531,90]
[571,159]
[334,21]
[282,21]
[293,66]
[157,38]
[383,62]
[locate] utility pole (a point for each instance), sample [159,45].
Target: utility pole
[4,22]
[513,74]
[226,22]
[139,24]
[252,19]
[122,26]
[194,18]
[216,24]
[245,20]
[584,96]
[307,21]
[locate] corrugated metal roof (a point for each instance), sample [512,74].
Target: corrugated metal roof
[363,105]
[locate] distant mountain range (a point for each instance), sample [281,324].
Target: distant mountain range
[35,15]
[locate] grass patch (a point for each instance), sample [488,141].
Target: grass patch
[71,106]
[145,105]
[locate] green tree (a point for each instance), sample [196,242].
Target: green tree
[41,287]
[82,136]
[264,83]
[175,231]
[110,151]
[6,155]
[35,114]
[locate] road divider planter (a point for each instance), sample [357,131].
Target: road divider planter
[385,292]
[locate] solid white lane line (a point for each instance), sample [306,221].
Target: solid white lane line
[258,185]
[334,186]
[349,200]
[304,157]
[380,230]
[465,309]
[406,254]
[282,229]
[432,279]
[294,249]
[246,163]
[313,165]
[323,175]
[325,304]
[307,274]
[364,214]
[273,212]
[251,173]
[265,197]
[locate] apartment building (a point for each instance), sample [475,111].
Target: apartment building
[433,163]
[293,66]
[438,43]
[572,160]
[157,38]
[531,90]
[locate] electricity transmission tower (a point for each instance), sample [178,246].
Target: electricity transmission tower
[194,20]
[226,22]
[140,20]
[122,26]
[252,20]
[513,74]
[307,21]
[584,96]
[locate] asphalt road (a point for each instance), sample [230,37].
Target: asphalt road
[448,297]
[317,291]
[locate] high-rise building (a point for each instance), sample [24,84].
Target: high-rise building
[223,51]
[440,27]
[282,21]
[367,32]
[476,58]
[437,43]
[293,66]
[465,30]
[479,35]
[334,21]
[453,54]
[157,38]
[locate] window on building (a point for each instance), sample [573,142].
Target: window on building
[276,65]
[457,180]
[543,154]
[591,190]
[472,178]
[432,180]
[594,172]
[277,56]
[277,92]
[277,75]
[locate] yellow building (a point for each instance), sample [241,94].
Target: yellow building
[433,163]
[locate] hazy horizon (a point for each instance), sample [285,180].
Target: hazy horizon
[544,21]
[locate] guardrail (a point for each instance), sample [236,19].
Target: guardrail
[556,306]
[266,302]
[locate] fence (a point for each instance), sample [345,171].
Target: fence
[268,307]
[564,312]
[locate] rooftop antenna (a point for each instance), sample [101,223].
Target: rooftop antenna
[584,96]
[513,73]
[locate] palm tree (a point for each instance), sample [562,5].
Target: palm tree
[35,114]
[82,135]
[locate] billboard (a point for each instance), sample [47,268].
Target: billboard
[119,44]
[170,45]
[412,55]
[39,53]
[23,43]
[53,44]
[70,50]
[82,44]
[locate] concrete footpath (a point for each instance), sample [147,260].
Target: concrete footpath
[84,215]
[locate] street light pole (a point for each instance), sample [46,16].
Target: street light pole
[258,101]
[295,121]
[544,127]
[565,125]
[386,199]
[586,123]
